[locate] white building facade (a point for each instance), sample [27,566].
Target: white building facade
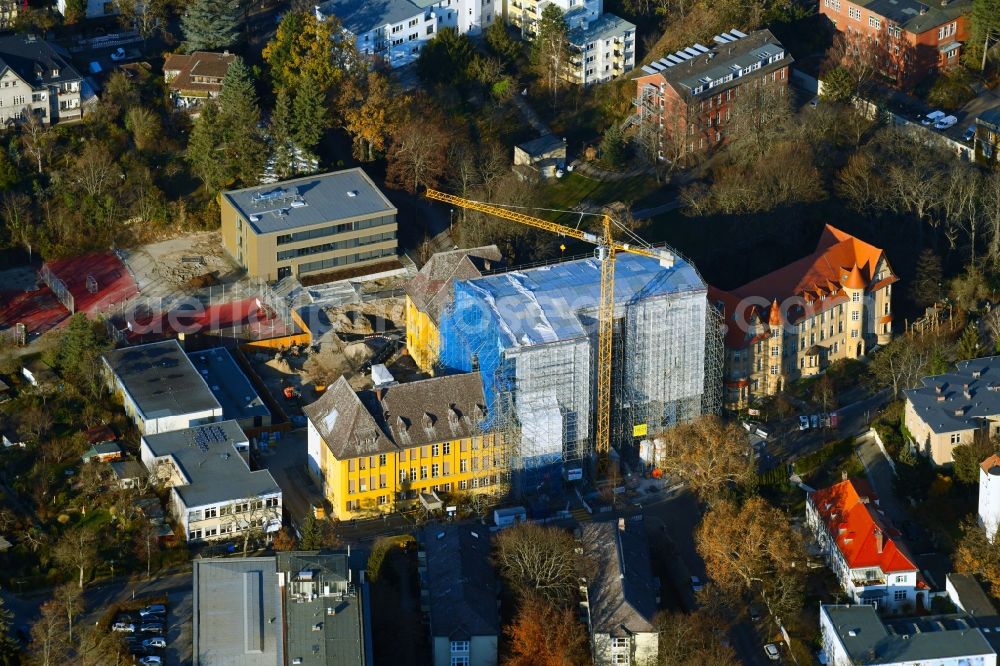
[989,495]
[36,79]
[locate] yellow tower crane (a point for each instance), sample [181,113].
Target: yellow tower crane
[607,247]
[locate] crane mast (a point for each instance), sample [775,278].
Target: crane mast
[607,247]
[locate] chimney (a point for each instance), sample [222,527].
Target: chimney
[879,540]
[843,475]
[968,394]
[621,524]
[940,397]
[938,388]
[379,392]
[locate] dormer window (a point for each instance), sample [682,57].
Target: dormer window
[55,72]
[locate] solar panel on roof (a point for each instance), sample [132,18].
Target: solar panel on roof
[674,59]
[682,55]
[665,62]
[691,52]
[724,38]
[731,36]
[648,69]
[736,32]
[656,67]
[700,48]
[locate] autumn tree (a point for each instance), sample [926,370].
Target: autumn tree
[252,522]
[550,50]
[373,109]
[77,549]
[975,555]
[417,154]
[144,126]
[753,547]
[693,639]
[710,455]
[538,560]
[305,49]
[543,634]
[284,540]
[760,113]
[99,647]
[968,457]
[907,358]
[985,26]
[144,16]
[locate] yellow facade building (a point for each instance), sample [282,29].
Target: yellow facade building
[396,446]
[431,291]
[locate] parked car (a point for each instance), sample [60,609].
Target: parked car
[155,642]
[970,133]
[803,422]
[127,627]
[696,584]
[754,613]
[946,123]
[772,652]
[814,420]
[151,660]
[118,54]
[154,609]
[152,628]
[932,117]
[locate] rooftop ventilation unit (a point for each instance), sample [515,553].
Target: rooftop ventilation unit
[352,193]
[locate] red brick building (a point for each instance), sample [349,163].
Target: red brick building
[904,40]
[686,97]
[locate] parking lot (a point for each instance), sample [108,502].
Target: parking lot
[145,633]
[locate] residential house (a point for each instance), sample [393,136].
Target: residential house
[159,387]
[195,77]
[857,636]
[432,290]
[214,493]
[684,100]
[954,408]
[93,8]
[989,496]
[314,224]
[864,550]
[620,600]
[460,595]
[231,387]
[987,139]
[904,40]
[37,78]
[304,608]
[102,452]
[834,304]
[381,450]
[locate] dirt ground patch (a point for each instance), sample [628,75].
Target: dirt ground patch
[375,317]
[169,266]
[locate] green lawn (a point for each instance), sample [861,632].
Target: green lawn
[569,191]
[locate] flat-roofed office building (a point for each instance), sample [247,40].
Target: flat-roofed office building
[315,224]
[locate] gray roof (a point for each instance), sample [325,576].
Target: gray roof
[720,60]
[161,380]
[908,640]
[101,449]
[310,200]
[971,597]
[360,16]
[460,581]
[228,384]
[915,16]
[542,145]
[605,27]
[343,637]
[622,593]
[208,457]
[34,61]
[237,611]
[128,469]
[432,288]
[959,400]
[417,413]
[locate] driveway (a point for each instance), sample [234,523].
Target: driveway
[286,461]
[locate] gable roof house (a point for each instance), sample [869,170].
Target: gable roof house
[37,78]
[195,77]
[459,592]
[622,594]
[863,548]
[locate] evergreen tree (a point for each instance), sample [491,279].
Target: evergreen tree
[550,49]
[446,58]
[282,118]
[613,146]
[501,42]
[209,25]
[239,116]
[9,648]
[926,287]
[310,116]
[985,25]
[838,85]
[969,344]
[204,148]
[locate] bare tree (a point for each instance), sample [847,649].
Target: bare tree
[417,155]
[70,598]
[48,636]
[77,549]
[36,138]
[709,454]
[147,543]
[538,560]
[15,207]
[251,518]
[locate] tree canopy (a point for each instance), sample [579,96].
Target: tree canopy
[210,25]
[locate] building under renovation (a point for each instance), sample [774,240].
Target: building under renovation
[532,334]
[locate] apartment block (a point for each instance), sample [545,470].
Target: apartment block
[432,290]
[37,78]
[380,450]
[214,493]
[315,224]
[686,98]
[160,388]
[602,50]
[863,549]
[834,304]
[907,40]
[954,408]
[394,31]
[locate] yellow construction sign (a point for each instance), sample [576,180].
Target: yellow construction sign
[639,430]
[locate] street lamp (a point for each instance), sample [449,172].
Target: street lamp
[451,220]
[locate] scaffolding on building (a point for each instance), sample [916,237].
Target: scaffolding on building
[539,366]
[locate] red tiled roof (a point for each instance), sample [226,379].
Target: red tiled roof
[990,463]
[848,509]
[817,279]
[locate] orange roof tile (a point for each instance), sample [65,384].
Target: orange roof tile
[774,318]
[990,463]
[816,279]
[854,279]
[853,520]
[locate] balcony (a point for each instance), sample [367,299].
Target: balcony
[872,582]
